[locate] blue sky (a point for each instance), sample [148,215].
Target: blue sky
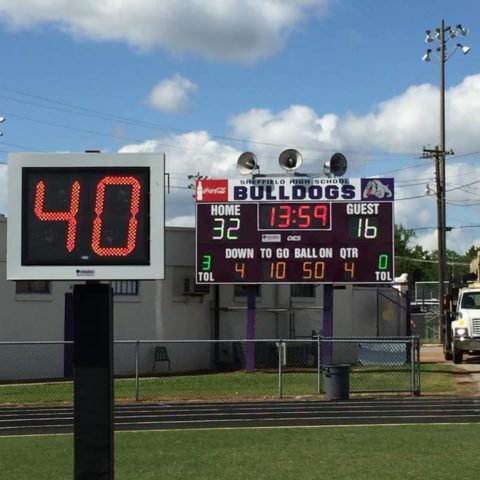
[205,80]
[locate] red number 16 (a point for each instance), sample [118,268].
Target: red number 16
[70,215]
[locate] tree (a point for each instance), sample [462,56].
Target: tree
[418,263]
[471,253]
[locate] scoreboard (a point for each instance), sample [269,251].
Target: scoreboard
[295,230]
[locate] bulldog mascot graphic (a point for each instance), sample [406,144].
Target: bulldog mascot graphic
[375,188]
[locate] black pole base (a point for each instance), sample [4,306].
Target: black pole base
[93,382]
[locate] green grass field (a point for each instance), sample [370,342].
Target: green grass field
[368,452]
[435,378]
[363,452]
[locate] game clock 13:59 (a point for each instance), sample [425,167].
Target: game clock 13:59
[85,216]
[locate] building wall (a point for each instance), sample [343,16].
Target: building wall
[161,311]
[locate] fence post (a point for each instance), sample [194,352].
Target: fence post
[413,365]
[416,340]
[280,357]
[137,381]
[319,366]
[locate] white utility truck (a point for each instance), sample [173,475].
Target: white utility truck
[462,326]
[465,326]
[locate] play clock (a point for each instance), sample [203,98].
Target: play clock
[85,216]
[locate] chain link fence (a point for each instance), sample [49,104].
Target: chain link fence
[176,370]
[426,326]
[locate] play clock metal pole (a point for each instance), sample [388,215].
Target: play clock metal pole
[93,382]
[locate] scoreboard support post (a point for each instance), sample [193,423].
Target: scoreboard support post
[327,330]
[250,349]
[93,382]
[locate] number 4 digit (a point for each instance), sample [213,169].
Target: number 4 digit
[349,267]
[66,216]
[240,268]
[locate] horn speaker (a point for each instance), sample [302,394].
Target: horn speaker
[336,166]
[247,163]
[290,159]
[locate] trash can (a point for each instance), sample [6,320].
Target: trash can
[337,382]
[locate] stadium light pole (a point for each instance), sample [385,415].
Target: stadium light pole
[442,34]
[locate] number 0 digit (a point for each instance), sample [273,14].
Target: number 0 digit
[382,261]
[132,222]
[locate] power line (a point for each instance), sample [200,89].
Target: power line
[451,228]
[422,260]
[69,108]
[73,109]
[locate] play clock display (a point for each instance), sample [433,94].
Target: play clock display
[84,220]
[293,230]
[85,216]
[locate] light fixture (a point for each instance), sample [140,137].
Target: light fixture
[426,55]
[428,36]
[464,48]
[463,30]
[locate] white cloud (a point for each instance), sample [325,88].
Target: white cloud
[421,211]
[397,125]
[191,152]
[295,127]
[172,95]
[404,123]
[410,120]
[242,30]
[188,154]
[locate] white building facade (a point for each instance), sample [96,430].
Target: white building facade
[173,309]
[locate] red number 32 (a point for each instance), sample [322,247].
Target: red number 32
[70,215]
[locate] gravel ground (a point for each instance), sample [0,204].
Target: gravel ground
[431,354]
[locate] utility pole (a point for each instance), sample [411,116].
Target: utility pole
[194,179]
[439,155]
[439,158]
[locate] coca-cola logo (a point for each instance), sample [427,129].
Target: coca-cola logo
[214,191]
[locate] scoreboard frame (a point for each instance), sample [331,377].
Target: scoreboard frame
[290,230]
[86,216]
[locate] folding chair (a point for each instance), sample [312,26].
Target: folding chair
[161,355]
